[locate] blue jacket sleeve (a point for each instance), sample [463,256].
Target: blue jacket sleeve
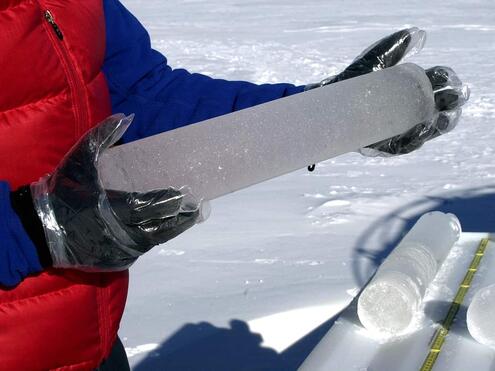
[163,98]
[18,256]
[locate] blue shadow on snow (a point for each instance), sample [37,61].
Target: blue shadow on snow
[475,209]
[204,347]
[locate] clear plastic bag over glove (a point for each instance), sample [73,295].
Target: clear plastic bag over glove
[449,92]
[93,229]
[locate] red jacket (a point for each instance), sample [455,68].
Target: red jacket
[52,91]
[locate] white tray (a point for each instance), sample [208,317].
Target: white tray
[348,346]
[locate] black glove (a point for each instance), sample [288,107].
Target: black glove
[386,52]
[450,95]
[89,228]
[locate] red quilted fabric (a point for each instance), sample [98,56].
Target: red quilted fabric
[52,91]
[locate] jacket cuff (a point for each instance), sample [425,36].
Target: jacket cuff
[22,203]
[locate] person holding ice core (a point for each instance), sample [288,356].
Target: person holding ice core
[65,242]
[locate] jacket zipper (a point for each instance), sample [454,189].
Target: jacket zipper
[49,18]
[76,84]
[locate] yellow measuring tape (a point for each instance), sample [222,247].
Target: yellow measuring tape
[441,333]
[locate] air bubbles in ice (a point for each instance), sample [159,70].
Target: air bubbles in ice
[389,304]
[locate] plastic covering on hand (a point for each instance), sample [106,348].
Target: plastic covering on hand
[385,53]
[450,95]
[448,90]
[90,228]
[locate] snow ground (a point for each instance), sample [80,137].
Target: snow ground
[256,286]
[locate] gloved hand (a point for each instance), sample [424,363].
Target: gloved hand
[448,90]
[89,228]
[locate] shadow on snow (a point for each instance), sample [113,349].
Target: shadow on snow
[474,208]
[205,347]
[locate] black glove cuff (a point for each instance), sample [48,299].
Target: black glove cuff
[22,203]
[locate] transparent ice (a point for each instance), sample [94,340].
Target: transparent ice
[480,316]
[390,301]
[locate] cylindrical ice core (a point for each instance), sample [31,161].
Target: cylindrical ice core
[234,151]
[480,316]
[389,302]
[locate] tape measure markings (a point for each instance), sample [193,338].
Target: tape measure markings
[441,333]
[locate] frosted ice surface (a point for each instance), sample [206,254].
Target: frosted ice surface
[480,316]
[389,303]
[237,150]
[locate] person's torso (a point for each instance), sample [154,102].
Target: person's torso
[52,91]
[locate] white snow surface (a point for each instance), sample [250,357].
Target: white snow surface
[256,286]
